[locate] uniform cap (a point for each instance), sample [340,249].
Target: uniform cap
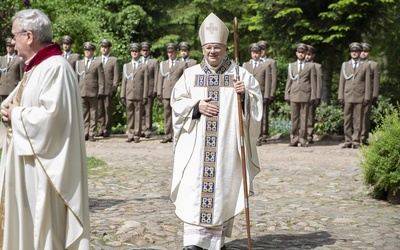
[171,46]
[255,46]
[8,41]
[301,46]
[133,46]
[89,45]
[311,48]
[263,44]
[105,42]
[67,39]
[355,45]
[366,46]
[145,45]
[184,45]
[213,30]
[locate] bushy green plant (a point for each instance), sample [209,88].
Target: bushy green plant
[329,119]
[158,116]
[380,161]
[279,119]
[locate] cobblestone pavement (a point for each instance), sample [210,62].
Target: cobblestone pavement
[305,198]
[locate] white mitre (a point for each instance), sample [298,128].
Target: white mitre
[213,30]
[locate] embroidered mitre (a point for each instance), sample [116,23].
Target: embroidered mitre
[213,30]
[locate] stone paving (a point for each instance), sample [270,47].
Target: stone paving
[305,198]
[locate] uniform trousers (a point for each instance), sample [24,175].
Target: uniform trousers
[167,118]
[265,121]
[298,118]
[311,121]
[366,123]
[148,116]
[89,105]
[104,112]
[353,113]
[134,110]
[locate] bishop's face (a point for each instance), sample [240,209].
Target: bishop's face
[214,53]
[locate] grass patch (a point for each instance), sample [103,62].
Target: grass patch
[93,163]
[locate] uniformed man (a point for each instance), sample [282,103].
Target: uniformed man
[152,68]
[11,71]
[134,92]
[111,79]
[313,106]
[264,49]
[184,48]
[375,81]
[354,94]
[170,72]
[90,75]
[72,58]
[265,73]
[272,81]
[300,91]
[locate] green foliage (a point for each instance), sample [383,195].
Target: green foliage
[279,119]
[380,160]
[329,119]
[158,116]
[93,163]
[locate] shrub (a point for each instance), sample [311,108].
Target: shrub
[381,159]
[329,119]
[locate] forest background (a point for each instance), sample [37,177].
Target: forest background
[330,26]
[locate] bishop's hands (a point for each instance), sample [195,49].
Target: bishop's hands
[208,109]
[239,86]
[7,109]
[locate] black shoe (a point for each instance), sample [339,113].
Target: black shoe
[356,146]
[258,143]
[147,136]
[347,145]
[106,135]
[165,140]
[304,145]
[293,144]
[86,137]
[223,248]
[310,140]
[91,138]
[136,140]
[192,247]
[129,140]
[100,134]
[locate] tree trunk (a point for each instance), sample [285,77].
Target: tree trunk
[327,70]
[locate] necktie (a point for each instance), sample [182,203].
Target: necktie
[8,60]
[87,64]
[135,65]
[255,64]
[300,67]
[104,61]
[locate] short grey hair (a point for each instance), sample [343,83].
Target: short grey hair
[35,21]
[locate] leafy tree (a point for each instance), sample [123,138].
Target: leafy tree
[328,25]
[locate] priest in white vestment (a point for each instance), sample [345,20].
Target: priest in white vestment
[207,186]
[43,179]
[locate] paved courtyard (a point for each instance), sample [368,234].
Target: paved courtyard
[305,198]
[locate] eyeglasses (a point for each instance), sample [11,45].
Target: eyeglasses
[216,48]
[13,35]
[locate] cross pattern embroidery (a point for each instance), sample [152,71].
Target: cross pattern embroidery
[211,28]
[213,83]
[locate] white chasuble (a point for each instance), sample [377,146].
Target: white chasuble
[43,175]
[207,187]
